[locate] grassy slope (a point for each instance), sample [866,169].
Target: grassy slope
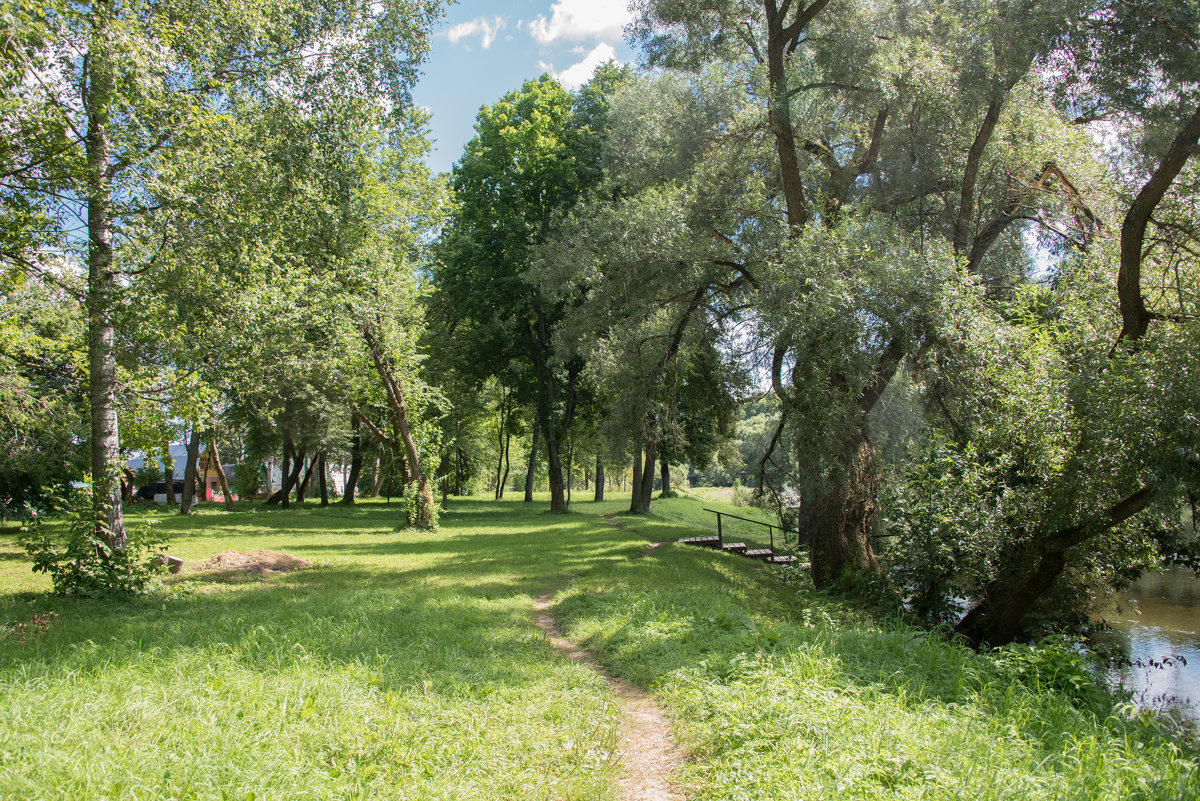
[407,666]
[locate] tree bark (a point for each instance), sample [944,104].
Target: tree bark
[377,478]
[501,447]
[635,501]
[102,291]
[962,238]
[648,465]
[169,472]
[356,460]
[665,473]
[504,479]
[426,516]
[302,490]
[839,519]
[224,481]
[189,474]
[999,614]
[554,475]
[294,460]
[322,468]
[1135,318]
[599,478]
[127,482]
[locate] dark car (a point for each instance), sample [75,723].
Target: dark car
[147,491]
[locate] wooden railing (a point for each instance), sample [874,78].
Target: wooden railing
[770,528]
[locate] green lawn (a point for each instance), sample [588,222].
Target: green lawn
[407,665]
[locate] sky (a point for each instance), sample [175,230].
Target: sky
[486,48]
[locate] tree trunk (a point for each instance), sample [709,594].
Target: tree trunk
[665,473]
[999,616]
[554,472]
[533,449]
[501,438]
[189,474]
[356,460]
[377,479]
[458,471]
[504,479]
[101,297]
[647,492]
[224,481]
[570,463]
[127,481]
[426,516]
[322,468]
[268,468]
[599,478]
[443,478]
[635,502]
[169,472]
[839,519]
[302,490]
[285,470]
[290,479]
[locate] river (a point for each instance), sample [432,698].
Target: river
[1156,622]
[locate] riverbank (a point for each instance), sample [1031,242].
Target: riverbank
[410,665]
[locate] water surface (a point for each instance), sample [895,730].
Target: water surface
[1157,625]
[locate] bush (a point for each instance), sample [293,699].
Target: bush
[149,472]
[247,479]
[80,563]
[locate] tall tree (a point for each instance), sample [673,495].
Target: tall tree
[529,163]
[131,85]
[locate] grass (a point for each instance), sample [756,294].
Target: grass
[407,665]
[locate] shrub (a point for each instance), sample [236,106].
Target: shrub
[80,563]
[248,479]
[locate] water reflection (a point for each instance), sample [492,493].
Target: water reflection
[1157,625]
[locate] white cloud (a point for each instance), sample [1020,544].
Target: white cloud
[577,75]
[582,19]
[486,30]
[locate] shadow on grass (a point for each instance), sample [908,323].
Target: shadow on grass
[453,604]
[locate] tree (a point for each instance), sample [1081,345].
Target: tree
[865,143]
[526,167]
[132,85]
[1134,445]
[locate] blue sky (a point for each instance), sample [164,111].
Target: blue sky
[484,49]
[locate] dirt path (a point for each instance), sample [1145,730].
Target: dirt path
[647,753]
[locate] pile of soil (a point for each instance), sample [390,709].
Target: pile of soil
[261,562]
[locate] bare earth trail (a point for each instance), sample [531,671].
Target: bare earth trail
[648,754]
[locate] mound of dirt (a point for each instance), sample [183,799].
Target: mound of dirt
[261,562]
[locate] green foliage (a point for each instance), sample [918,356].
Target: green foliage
[419,508]
[149,472]
[1054,665]
[80,562]
[248,479]
[42,367]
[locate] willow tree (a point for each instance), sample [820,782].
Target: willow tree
[128,86]
[881,123]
